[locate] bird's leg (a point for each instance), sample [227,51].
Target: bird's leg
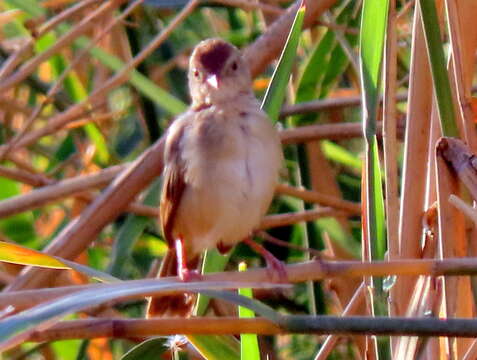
[274,265]
[185,274]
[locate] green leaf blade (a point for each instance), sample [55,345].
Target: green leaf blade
[275,94]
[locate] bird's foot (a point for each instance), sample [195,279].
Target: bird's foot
[275,267]
[185,274]
[188,275]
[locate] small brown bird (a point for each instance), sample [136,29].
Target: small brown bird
[222,160]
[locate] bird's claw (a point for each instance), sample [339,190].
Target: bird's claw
[276,268]
[188,275]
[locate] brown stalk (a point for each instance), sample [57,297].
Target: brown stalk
[76,237]
[463,47]
[39,197]
[452,243]
[14,106]
[23,164]
[272,221]
[24,176]
[471,352]
[415,161]
[273,240]
[406,347]
[351,309]
[466,209]
[433,347]
[320,198]
[300,272]
[321,131]
[57,122]
[59,81]
[9,65]
[323,182]
[140,328]
[314,106]
[323,179]
[390,136]
[391,147]
[133,328]
[270,44]
[463,162]
[84,25]
[249,6]
[328,104]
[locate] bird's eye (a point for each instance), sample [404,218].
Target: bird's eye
[196,73]
[234,66]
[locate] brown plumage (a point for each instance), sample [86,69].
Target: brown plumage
[222,159]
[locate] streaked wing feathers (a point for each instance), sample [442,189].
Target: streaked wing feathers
[174,184]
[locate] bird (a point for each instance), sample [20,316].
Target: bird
[222,160]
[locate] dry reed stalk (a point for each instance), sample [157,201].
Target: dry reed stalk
[315,270]
[14,106]
[270,44]
[433,348]
[352,308]
[273,240]
[390,135]
[272,221]
[132,328]
[56,86]
[249,6]
[415,165]
[31,65]
[24,176]
[462,161]
[466,209]
[58,121]
[390,149]
[407,347]
[452,242]
[323,179]
[47,194]
[463,41]
[76,237]
[14,59]
[139,328]
[321,198]
[309,133]
[314,106]
[471,353]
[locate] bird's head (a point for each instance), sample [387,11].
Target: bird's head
[217,72]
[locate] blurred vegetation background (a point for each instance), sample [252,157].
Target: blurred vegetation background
[87,86]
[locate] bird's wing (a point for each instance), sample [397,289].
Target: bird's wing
[174,180]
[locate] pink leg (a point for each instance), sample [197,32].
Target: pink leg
[274,265]
[185,274]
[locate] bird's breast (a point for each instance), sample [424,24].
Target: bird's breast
[231,173]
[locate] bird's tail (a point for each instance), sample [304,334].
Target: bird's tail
[170,305]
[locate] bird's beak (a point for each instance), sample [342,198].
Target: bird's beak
[213,81]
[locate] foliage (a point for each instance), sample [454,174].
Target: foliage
[87,86]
